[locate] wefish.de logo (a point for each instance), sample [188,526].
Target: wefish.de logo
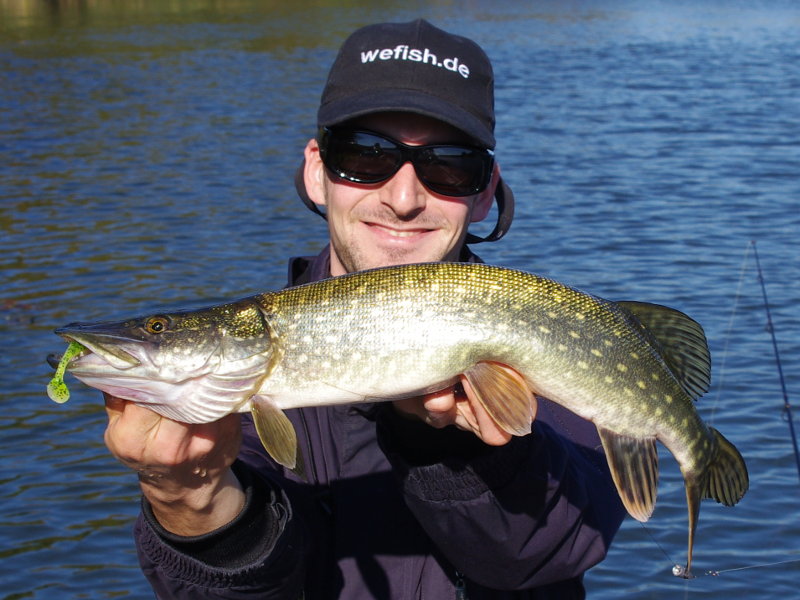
[425,56]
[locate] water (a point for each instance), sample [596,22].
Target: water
[146,159]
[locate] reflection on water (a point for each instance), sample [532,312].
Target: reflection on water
[146,159]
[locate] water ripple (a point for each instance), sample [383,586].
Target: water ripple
[147,158]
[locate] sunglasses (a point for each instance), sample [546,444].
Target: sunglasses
[366,157]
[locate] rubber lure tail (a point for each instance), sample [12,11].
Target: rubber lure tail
[57,388]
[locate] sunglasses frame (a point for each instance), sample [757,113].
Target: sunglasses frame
[407,154]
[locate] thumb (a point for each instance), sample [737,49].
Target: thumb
[114,406]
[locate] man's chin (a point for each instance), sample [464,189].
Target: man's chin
[386,257]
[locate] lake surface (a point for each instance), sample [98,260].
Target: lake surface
[146,160]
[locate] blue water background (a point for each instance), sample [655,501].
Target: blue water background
[146,160]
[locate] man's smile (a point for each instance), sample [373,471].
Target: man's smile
[395,232]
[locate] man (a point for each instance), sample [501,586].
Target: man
[420,498]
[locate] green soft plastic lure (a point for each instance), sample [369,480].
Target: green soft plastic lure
[57,388]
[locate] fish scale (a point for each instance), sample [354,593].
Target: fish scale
[633,369]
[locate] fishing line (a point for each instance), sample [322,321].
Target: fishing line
[728,333]
[787,408]
[677,569]
[772,564]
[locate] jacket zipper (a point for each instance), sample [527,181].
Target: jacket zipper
[461,587]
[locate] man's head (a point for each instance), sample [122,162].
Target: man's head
[393,88]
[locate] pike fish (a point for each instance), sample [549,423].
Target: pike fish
[633,369]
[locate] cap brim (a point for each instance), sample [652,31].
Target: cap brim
[413,101]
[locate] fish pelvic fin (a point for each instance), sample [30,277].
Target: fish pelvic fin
[681,342]
[727,479]
[504,394]
[276,433]
[634,469]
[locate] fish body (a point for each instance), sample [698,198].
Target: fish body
[633,369]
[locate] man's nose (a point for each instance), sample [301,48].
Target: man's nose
[404,193]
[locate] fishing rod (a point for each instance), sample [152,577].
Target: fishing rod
[786,406]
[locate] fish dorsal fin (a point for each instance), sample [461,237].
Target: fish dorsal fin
[505,396]
[276,433]
[634,468]
[681,341]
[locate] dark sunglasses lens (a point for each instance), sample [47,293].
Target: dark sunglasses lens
[361,157]
[453,171]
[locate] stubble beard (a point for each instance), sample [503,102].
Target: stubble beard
[356,257]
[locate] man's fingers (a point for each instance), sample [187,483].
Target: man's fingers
[439,408]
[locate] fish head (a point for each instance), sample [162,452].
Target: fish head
[193,366]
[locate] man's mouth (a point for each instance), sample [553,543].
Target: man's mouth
[396,232]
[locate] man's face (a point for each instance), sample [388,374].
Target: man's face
[398,221]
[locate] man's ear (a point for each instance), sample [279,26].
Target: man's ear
[484,200]
[314,173]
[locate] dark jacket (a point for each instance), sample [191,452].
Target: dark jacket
[393,509]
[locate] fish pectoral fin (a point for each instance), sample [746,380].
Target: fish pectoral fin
[727,474]
[276,433]
[505,396]
[634,468]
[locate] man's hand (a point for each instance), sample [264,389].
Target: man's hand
[184,470]
[458,406]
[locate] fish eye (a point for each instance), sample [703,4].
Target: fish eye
[156,325]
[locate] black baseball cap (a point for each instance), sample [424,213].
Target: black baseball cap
[414,67]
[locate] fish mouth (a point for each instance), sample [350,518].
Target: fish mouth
[54,359]
[104,344]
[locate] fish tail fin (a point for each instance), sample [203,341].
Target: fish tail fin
[505,396]
[726,481]
[277,434]
[727,477]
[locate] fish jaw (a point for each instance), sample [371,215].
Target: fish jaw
[117,351]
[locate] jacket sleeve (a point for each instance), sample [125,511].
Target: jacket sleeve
[538,510]
[258,555]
